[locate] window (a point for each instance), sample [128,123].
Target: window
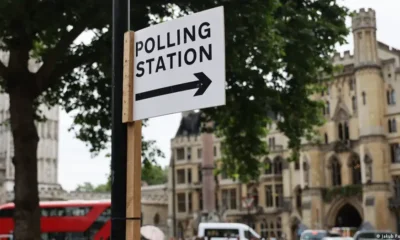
[271,142]
[336,172]
[199,153]
[189,175]
[392,126]
[279,195]
[181,202]
[346,131]
[352,84]
[215,151]
[279,228]
[296,164]
[326,138]
[391,97]
[189,153]
[355,170]
[254,194]
[268,196]
[200,173]
[396,186]
[354,103]
[364,100]
[156,219]
[328,110]
[223,174]
[180,154]
[64,211]
[190,202]
[343,131]
[7,213]
[298,198]
[200,200]
[306,172]
[181,176]
[278,165]
[395,153]
[340,131]
[267,166]
[229,198]
[264,229]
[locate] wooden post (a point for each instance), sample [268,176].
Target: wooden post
[134,145]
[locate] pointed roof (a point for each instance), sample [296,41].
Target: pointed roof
[342,112]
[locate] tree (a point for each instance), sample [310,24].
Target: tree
[86,187]
[289,41]
[154,174]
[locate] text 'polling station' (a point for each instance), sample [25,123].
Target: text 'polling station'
[174,59]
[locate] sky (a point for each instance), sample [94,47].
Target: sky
[77,166]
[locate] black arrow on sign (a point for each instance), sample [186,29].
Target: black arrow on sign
[202,84]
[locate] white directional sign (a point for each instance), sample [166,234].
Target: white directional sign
[179,65]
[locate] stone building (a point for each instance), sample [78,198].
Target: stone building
[350,178]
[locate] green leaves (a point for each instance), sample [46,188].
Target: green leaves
[275,53]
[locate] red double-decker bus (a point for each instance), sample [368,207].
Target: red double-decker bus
[72,220]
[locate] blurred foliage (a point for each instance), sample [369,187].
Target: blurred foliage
[152,174]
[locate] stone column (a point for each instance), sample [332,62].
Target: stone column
[208,175]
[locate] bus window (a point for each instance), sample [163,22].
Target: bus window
[7,213]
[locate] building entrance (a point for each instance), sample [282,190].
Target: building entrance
[348,216]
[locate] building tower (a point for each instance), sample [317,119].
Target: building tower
[371,112]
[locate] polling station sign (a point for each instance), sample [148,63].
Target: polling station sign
[179,65]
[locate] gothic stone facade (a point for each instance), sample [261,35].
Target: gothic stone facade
[351,177]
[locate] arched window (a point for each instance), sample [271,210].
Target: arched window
[346,131]
[306,173]
[264,229]
[278,165]
[340,131]
[298,198]
[354,103]
[336,172]
[328,109]
[296,164]
[156,219]
[267,166]
[355,169]
[364,100]
[326,138]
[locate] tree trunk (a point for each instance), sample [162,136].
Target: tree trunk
[27,211]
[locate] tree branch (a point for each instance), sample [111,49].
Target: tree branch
[43,80]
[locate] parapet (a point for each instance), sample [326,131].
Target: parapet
[388,48]
[363,19]
[344,58]
[190,139]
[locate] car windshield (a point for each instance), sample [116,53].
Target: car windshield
[313,235]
